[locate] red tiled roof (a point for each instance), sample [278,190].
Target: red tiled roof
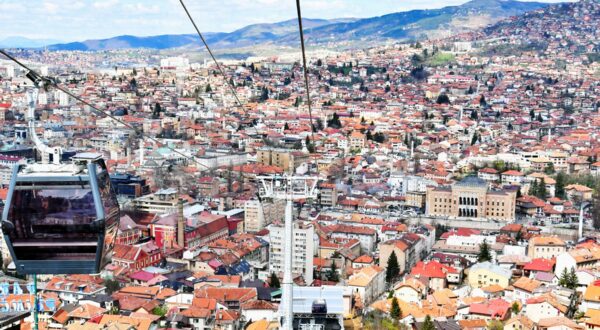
[540,264]
[432,269]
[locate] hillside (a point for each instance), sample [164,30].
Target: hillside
[569,28]
[414,24]
[424,23]
[246,36]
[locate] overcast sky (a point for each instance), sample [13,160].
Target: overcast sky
[71,20]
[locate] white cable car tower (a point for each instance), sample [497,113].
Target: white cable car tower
[45,151]
[287,188]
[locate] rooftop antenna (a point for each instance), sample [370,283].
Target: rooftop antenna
[287,188]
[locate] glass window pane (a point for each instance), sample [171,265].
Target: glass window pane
[53,223]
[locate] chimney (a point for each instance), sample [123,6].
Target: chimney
[181,226]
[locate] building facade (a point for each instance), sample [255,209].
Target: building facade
[471,198]
[302,256]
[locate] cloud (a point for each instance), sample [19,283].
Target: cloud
[50,7]
[103,4]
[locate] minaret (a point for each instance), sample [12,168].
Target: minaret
[129,156]
[141,152]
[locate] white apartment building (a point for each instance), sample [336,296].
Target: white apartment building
[304,248]
[257,215]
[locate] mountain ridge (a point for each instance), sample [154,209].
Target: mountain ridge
[407,25]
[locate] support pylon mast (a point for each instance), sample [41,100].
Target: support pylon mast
[288,188]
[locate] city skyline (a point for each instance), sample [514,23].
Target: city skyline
[66,21]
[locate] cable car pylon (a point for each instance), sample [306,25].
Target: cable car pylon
[288,188]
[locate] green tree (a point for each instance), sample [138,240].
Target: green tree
[442,99]
[208,89]
[542,191]
[474,138]
[286,127]
[264,94]
[572,281]
[297,145]
[393,268]
[495,325]
[428,324]
[274,281]
[111,285]
[533,188]
[391,294]
[564,278]
[309,145]
[334,122]
[474,115]
[549,169]
[484,252]
[532,114]
[515,308]
[157,111]
[160,310]
[333,275]
[395,311]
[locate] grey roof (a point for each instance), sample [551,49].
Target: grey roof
[303,298]
[472,181]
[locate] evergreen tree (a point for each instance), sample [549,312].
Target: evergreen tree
[573,281]
[482,101]
[428,324]
[393,268]
[309,145]
[157,110]
[274,281]
[484,252]
[474,138]
[442,99]
[539,117]
[264,94]
[395,311]
[298,101]
[564,278]
[334,122]
[533,188]
[369,135]
[509,127]
[333,275]
[549,169]
[208,89]
[474,115]
[532,114]
[542,191]
[561,181]
[286,127]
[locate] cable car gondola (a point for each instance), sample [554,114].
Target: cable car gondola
[60,218]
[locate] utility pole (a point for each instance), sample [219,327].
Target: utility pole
[287,188]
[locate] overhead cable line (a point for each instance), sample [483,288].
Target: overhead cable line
[305,68]
[52,82]
[212,55]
